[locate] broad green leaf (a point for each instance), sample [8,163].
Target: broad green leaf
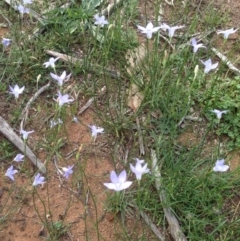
[90,5]
[97,34]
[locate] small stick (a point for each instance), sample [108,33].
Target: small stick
[226,60]
[9,23]
[9,133]
[175,228]
[25,111]
[140,138]
[193,118]
[71,153]
[164,38]
[189,117]
[126,157]
[153,227]
[90,101]
[109,9]
[94,68]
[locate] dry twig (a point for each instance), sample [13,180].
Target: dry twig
[226,60]
[140,137]
[153,227]
[90,101]
[25,111]
[9,133]
[175,228]
[94,68]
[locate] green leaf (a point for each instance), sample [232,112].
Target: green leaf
[90,5]
[97,34]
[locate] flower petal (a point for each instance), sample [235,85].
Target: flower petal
[142,29]
[125,185]
[111,186]
[122,176]
[113,177]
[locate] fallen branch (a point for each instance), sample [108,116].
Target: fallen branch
[25,111]
[175,228]
[227,61]
[9,133]
[153,227]
[94,68]
[90,101]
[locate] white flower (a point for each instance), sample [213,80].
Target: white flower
[67,171]
[100,20]
[75,119]
[95,130]
[16,91]
[63,99]
[118,183]
[19,158]
[10,172]
[22,9]
[149,30]
[227,32]
[61,79]
[38,180]
[25,133]
[139,170]
[195,45]
[51,62]
[54,123]
[220,167]
[171,30]
[219,113]
[208,65]
[6,42]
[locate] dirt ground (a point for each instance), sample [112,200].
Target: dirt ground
[83,207]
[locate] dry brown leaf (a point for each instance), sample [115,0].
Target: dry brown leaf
[134,58]
[135,97]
